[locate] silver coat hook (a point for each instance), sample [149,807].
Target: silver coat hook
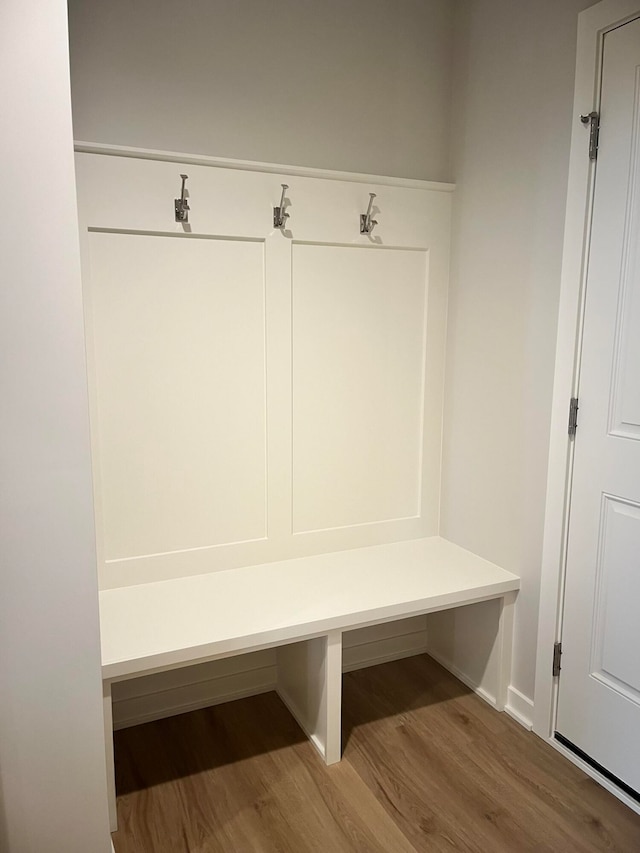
[366,222]
[181,205]
[279,215]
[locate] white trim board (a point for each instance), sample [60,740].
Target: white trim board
[255,166]
[593,23]
[520,707]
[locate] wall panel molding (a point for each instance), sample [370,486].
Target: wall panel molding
[341,352]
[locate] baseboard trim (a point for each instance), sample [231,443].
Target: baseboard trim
[295,713]
[520,708]
[385,658]
[461,676]
[383,650]
[156,712]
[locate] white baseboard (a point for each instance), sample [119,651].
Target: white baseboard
[186,689]
[520,707]
[374,652]
[152,707]
[299,718]
[166,694]
[464,678]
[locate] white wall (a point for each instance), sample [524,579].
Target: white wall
[360,86]
[514,71]
[52,777]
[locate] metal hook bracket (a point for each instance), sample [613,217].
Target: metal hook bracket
[181,205]
[279,215]
[366,222]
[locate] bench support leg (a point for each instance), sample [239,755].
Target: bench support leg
[108,745]
[504,642]
[310,685]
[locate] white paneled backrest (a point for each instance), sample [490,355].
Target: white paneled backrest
[258,394]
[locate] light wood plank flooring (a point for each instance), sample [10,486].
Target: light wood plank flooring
[427,766]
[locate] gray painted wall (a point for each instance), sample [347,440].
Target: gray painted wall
[361,86]
[513,108]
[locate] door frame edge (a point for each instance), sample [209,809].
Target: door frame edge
[593,24]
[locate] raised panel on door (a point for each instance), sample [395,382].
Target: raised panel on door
[178,350]
[359,334]
[617,592]
[625,388]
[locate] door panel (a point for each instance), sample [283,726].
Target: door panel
[598,707]
[615,661]
[625,388]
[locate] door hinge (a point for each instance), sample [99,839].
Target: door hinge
[593,120]
[557,654]
[573,416]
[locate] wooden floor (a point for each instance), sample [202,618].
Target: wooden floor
[428,766]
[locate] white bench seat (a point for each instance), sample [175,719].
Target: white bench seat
[301,606]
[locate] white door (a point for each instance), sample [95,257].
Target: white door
[599,687]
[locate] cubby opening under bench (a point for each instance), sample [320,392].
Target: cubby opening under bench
[301,607]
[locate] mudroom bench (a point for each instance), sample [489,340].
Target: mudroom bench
[301,607]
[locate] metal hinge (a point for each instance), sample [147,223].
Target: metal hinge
[557,654]
[593,120]
[573,416]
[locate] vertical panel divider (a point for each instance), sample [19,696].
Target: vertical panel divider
[504,641]
[107,710]
[309,683]
[278,289]
[333,742]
